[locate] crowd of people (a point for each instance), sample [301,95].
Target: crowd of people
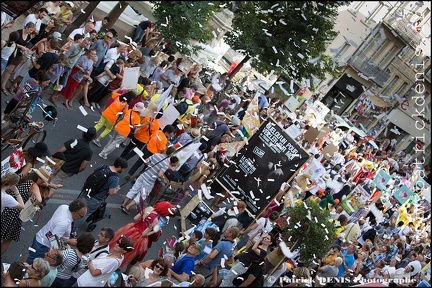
[381,240]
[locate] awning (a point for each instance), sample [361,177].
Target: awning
[378,101]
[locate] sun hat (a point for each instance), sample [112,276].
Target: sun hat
[39,150]
[235,121]
[195,133]
[139,107]
[43,174]
[326,177]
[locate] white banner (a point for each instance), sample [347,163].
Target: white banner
[13,162]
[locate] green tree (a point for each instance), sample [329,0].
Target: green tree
[182,21]
[289,38]
[308,230]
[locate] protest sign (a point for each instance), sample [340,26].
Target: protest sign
[355,199]
[257,171]
[13,162]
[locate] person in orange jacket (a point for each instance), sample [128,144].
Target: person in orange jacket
[111,114]
[124,128]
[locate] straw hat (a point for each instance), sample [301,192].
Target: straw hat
[43,174]
[195,133]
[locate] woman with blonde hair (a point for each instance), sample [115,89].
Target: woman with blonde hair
[8,182]
[11,222]
[38,270]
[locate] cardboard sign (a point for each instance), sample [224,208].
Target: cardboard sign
[311,134]
[329,150]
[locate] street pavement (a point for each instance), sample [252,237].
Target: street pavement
[65,129]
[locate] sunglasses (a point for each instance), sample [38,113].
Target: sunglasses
[160,267]
[109,37]
[34,268]
[121,245]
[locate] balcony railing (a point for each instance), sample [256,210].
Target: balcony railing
[404,30]
[363,64]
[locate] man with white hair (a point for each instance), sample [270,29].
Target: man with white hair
[330,270]
[83,31]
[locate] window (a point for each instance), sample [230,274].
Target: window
[373,11]
[401,90]
[341,50]
[388,57]
[390,85]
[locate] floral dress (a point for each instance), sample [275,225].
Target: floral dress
[10,221]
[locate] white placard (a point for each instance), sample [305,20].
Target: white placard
[184,154]
[13,162]
[130,78]
[170,114]
[293,131]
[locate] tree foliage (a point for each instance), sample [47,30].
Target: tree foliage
[287,37]
[182,21]
[308,230]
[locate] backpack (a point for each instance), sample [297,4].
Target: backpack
[95,181]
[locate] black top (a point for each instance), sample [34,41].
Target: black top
[21,41]
[46,61]
[250,256]
[77,150]
[145,24]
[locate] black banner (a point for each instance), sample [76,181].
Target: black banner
[16,8]
[258,170]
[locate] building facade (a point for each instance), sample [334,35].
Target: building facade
[386,85]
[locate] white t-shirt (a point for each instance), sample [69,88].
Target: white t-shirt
[32,18]
[98,25]
[79,31]
[7,201]
[60,224]
[107,265]
[111,54]
[263,223]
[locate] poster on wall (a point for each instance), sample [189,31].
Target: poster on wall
[16,8]
[259,168]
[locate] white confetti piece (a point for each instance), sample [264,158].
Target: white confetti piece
[206,192]
[74,143]
[83,111]
[40,160]
[274,49]
[50,160]
[252,195]
[236,210]
[31,249]
[82,128]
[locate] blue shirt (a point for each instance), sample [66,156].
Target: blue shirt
[203,254]
[349,260]
[184,265]
[225,248]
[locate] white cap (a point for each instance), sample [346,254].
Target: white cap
[70,3]
[56,35]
